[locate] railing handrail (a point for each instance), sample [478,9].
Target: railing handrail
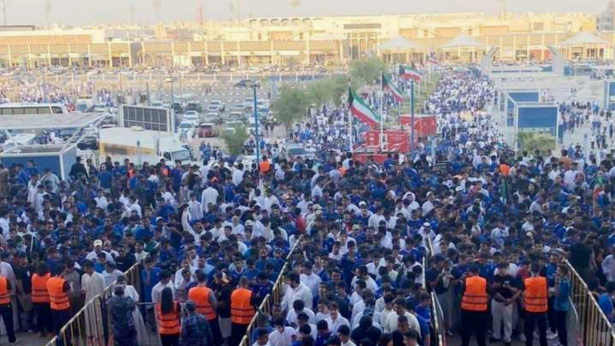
[87,304]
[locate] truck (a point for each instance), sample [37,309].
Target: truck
[139,145]
[395,142]
[425,125]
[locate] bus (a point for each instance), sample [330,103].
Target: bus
[32,108]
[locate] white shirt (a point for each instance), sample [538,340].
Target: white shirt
[334,325]
[281,339]
[209,196]
[312,282]
[391,323]
[237,177]
[93,256]
[291,317]
[111,277]
[302,292]
[157,291]
[4,227]
[93,285]
[608,267]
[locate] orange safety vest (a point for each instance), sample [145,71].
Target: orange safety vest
[169,323]
[39,288]
[536,298]
[505,169]
[241,309]
[475,297]
[200,296]
[57,296]
[5,299]
[264,166]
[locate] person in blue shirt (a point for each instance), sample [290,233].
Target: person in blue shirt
[561,303]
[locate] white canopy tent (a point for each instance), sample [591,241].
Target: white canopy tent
[467,49]
[398,49]
[585,45]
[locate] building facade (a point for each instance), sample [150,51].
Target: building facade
[305,40]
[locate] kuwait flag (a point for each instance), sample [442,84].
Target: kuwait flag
[432,59]
[388,84]
[410,73]
[361,110]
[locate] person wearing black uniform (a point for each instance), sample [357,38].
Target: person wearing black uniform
[505,294]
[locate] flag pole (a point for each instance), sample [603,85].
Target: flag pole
[349,121]
[382,144]
[412,115]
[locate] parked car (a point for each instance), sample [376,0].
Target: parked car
[187,127]
[246,83]
[192,116]
[213,117]
[298,150]
[208,130]
[216,106]
[194,106]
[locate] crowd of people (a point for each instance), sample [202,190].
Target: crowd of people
[348,240]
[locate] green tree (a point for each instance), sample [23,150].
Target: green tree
[235,140]
[366,71]
[290,105]
[530,141]
[320,92]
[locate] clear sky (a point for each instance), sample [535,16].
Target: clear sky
[86,12]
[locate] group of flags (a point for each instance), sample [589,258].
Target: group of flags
[359,108]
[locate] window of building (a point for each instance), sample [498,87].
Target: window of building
[362,26]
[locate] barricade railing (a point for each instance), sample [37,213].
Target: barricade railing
[274,298]
[91,325]
[594,327]
[438,320]
[86,328]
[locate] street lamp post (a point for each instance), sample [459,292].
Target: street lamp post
[256,134]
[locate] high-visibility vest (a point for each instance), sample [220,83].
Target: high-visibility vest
[536,297]
[57,296]
[475,297]
[40,294]
[264,166]
[242,311]
[200,296]
[5,299]
[168,324]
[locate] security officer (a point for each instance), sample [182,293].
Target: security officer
[206,304]
[536,304]
[58,295]
[474,307]
[6,309]
[242,311]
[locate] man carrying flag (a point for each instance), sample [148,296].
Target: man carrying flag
[387,84]
[410,73]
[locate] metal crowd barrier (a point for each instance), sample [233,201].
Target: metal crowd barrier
[594,328]
[277,293]
[91,325]
[438,320]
